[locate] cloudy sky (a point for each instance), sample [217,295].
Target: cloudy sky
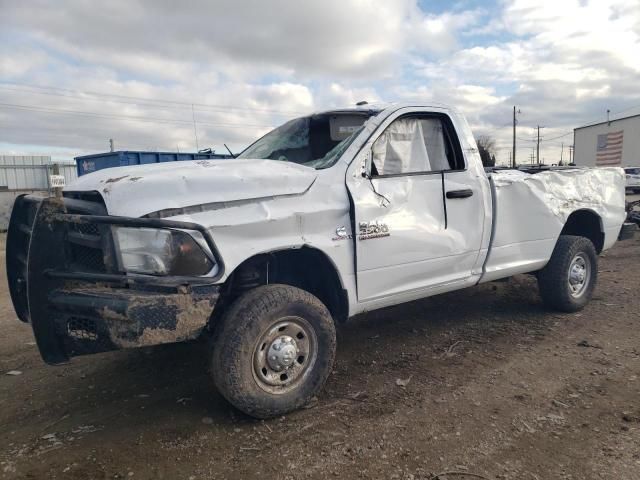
[74,73]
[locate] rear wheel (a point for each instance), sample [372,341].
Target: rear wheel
[566,283]
[273,350]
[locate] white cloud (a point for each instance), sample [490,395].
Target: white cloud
[438,33]
[572,28]
[349,37]
[20,62]
[563,64]
[267,60]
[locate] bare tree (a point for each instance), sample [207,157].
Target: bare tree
[487,150]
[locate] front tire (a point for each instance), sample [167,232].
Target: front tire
[567,282]
[273,350]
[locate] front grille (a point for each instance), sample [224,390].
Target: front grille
[86,258]
[82,328]
[86,228]
[82,335]
[87,242]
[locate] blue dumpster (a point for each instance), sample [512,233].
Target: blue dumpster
[98,161]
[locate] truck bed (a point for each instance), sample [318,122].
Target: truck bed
[530,211]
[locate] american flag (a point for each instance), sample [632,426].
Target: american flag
[609,150]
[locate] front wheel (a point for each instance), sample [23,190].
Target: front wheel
[566,283]
[273,351]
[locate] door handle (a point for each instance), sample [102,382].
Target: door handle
[465,193]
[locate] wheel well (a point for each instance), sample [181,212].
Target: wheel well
[306,268]
[585,223]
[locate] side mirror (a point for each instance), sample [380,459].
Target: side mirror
[364,170]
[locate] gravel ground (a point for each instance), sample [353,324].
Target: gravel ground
[483,381]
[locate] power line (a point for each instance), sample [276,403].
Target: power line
[559,136]
[154,101]
[113,100]
[612,113]
[567,133]
[597,120]
[147,101]
[626,110]
[495,130]
[126,117]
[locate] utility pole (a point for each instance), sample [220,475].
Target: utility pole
[195,130]
[111,144]
[570,153]
[538,146]
[513,156]
[561,152]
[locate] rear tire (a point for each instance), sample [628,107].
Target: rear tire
[273,350]
[567,282]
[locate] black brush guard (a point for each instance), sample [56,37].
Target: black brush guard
[64,280]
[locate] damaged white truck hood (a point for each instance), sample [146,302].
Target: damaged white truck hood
[138,190]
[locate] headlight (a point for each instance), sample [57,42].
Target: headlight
[158,251]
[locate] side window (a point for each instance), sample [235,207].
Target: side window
[415,145]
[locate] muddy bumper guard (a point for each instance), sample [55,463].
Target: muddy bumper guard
[63,279]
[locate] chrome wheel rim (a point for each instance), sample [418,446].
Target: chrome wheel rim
[284,355]
[579,275]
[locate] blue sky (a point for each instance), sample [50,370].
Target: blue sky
[71,77]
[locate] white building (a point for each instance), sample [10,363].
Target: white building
[613,143]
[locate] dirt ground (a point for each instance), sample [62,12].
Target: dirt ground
[484,381]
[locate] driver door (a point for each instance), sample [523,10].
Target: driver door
[419,215]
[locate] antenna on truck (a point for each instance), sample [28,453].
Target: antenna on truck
[228,150]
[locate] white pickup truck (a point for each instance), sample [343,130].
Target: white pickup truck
[328,216]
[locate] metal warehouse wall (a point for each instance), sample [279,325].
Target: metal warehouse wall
[31,172]
[27,174]
[586,141]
